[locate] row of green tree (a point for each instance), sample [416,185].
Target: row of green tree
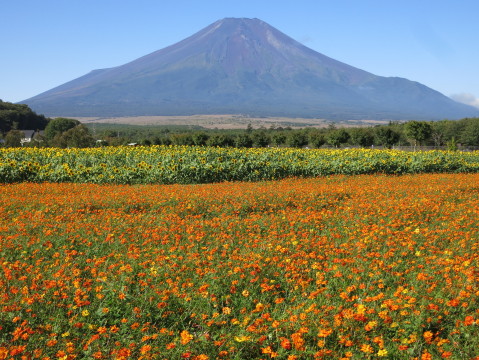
[64,132]
[444,133]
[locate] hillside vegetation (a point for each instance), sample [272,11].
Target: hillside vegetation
[19,116]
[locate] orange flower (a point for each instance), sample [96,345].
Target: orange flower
[298,341]
[366,348]
[186,337]
[285,239]
[453,302]
[428,336]
[114,329]
[325,332]
[268,350]
[426,356]
[469,320]
[285,343]
[145,349]
[124,353]
[51,342]
[3,353]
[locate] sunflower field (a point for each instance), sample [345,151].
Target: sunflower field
[189,164]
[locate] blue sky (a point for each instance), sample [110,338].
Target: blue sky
[47,43]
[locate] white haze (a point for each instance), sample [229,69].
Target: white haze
[466,98]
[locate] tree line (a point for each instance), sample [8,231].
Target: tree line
[64,132]
[445,133]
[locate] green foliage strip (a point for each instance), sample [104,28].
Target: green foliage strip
[190,164]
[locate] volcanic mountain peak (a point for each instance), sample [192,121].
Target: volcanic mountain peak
[244,66]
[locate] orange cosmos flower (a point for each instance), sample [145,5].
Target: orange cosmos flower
[469,320]
[428,336]
[298,341]
[426,356]
[145,349]
[366,348]
[3,353]
[285,343]
[186,337]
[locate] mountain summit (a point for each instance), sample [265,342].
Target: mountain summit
[244,66]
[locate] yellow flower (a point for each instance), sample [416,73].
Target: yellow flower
[242,338]
[361,309]
[259,307]
[226,310]
[382,352]
[85,313]
[370,325]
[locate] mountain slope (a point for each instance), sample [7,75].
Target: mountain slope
[244,66]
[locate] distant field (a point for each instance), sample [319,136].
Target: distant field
[222,121]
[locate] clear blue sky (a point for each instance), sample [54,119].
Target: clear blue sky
[47,43]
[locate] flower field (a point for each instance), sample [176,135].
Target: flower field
[188,164]
[370,266]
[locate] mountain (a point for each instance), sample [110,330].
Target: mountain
[244,66]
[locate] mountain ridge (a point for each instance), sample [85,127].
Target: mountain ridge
[244,66]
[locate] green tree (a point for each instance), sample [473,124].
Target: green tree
[297,139]
[14,138]
[58,126]
[362,136]
[243,140]
[316,138]
[386,136]
[260,138]
[165,140]
[419,131]
[200,138]
[278,138]
[78,137]
[182,139]
[470,133]
[337,137]
[438,132]
[221,140]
